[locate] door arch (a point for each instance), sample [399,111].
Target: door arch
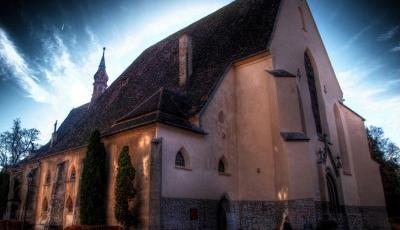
[226,217]
[334,204]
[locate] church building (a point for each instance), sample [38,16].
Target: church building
[235,122]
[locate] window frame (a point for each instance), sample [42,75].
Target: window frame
[186,159]
[180,160]
[313,89]
[225,164]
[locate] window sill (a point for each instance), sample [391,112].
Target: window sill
[183,168]
[294,136]
[224,174]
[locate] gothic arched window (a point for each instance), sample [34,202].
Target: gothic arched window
[48,178]
[45,206]
[312,87]
[72,175]
[17,190]
[179,160]
[334,205]
[69,205]
[221,166]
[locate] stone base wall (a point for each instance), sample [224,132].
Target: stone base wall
[375,218]
[302,212]
[259,214]
[355,217]
[179,213]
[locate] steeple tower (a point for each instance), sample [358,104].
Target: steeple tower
[100,79]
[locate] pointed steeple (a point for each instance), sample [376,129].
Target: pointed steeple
[100,78]
[103,62]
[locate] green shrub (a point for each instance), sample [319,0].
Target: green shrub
[124,190]
[93,183]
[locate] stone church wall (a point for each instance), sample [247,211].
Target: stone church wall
[55,182]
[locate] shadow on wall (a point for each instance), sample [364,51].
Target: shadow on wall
[137,204]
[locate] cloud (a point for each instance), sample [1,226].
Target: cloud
[394,82]
[57,82]
[389,34]
[395,49]
[14,63]
[374,102]
[356,36]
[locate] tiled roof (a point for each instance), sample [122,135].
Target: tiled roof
[237,30]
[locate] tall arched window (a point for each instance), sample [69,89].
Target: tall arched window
[312,87]
[69,205]
[334,204]
[48,178]
[45,206]
[179,159]
[72,174]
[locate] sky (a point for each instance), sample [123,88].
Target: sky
[50,50]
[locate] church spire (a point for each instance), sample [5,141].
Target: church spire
[103,62]
[100,78]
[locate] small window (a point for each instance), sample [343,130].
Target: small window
[69,205]
[72,175]
[45,206]
[221,166]
[179,160]
[45,209]
[48,178]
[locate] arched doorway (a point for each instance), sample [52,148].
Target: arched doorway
[334,204]
[226,217]
[223,209]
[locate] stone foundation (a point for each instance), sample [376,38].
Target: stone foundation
[176,213]
[259,214]
[202,214]
[374,218]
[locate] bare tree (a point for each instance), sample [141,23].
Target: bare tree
[15,144]
[387,154]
